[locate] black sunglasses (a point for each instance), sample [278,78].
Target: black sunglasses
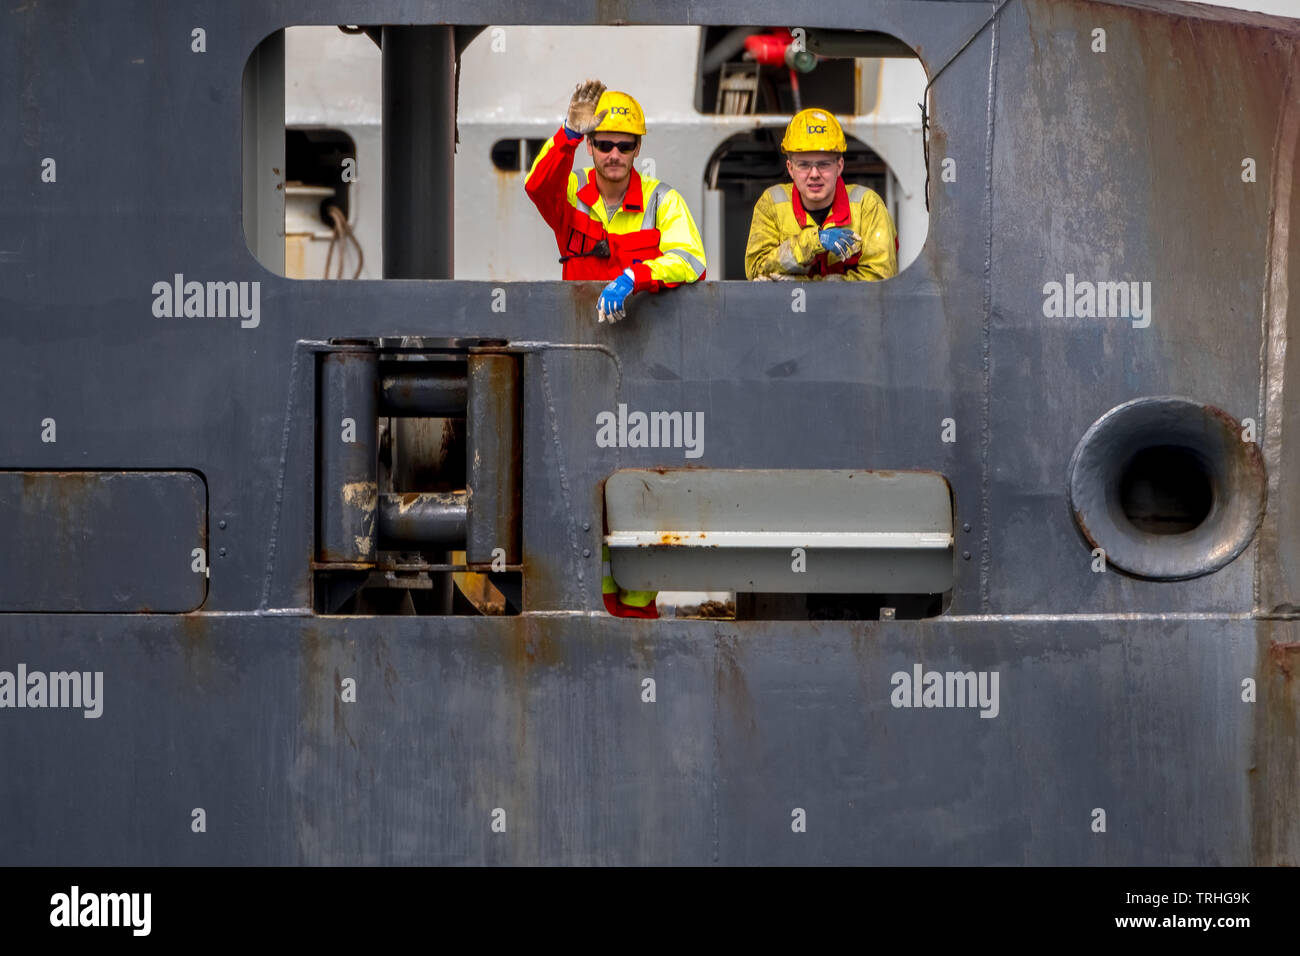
[609,145]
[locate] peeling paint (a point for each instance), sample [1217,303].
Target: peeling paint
[361,494]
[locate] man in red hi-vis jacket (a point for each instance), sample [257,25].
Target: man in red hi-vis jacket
[610,222]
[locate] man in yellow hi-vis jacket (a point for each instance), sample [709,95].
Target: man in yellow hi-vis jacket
[816,227]
[610,222]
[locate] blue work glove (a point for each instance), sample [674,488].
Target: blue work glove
[838,241]
[610,307]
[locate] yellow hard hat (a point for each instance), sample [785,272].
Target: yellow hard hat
[814,131]
[624,114]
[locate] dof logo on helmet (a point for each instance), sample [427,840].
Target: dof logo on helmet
[816,129]
[620,110]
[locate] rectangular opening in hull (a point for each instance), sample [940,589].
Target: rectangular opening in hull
[866,544]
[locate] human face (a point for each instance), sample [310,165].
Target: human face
[615,165]
[815,175]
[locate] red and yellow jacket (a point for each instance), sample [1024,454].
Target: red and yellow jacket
[652,233]
[783,238]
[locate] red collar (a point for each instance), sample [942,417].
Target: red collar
[839,214]
[632,199]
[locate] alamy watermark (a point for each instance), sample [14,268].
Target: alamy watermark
[651,430]
[1098,300]
[213,300]
[75,908]
[922,688]
[75,689]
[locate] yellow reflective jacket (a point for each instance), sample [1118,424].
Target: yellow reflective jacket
[621,602]
[652,233]
[783,237]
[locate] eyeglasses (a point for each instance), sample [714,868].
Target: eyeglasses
[609,145]
[823,166]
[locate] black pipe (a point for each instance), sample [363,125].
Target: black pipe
[493,458]
[430,521]
[347,445]
[423,389]
[419,132]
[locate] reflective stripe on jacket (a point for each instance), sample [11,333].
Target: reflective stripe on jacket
[623,603]
[783,238]
[652,233]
